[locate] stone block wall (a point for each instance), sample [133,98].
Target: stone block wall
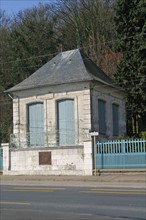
[75,160]
[79,92]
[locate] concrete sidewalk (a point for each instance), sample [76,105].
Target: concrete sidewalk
[135,180]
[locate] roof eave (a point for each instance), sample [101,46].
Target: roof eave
[39,86]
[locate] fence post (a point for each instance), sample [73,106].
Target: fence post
[123,146]
[6,157]
[94,135]
[88,157]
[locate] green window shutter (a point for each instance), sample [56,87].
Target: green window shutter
[36,124]
[115,109]
[66,122]
[102,116]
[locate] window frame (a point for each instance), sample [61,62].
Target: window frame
[102,118]
[115,119]
[27,122]
[57,120]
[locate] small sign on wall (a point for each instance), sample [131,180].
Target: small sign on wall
[94,133]
[45,158]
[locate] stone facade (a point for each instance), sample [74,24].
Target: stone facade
[63,161]
[73,160]
[86,109]
[70,76]
[49,96]
[110,96]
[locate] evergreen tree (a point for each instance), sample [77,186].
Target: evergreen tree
[32,40]
[4,50]
[130,23]
[5,79]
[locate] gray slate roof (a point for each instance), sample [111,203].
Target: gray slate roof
[67,67]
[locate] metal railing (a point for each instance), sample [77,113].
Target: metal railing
[121,154]
[120,146]
[48,139]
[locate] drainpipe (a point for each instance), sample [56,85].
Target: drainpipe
[78,127]
[92,132]
[11,96]
[19,119]
[91,103]
[47,124]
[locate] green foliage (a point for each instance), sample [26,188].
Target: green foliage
[5,118]
[143,135]
[32,36]
[35,35]
[5,70]
[131,34]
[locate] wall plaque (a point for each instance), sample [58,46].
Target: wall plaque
[45,158]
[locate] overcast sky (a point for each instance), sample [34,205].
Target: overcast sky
[13,6]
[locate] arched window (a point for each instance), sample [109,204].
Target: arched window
[102,116]
[115,110]
[35,124]
[66,122]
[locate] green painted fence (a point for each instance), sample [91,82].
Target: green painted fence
[121,154]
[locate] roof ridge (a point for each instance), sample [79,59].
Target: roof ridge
[66,67]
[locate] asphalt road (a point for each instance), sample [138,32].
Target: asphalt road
[45,202]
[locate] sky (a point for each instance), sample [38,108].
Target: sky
[13,6]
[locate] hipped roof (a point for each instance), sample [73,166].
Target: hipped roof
[67,67]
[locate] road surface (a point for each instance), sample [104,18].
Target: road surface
[25,202]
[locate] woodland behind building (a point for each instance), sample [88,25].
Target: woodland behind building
[111,32]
